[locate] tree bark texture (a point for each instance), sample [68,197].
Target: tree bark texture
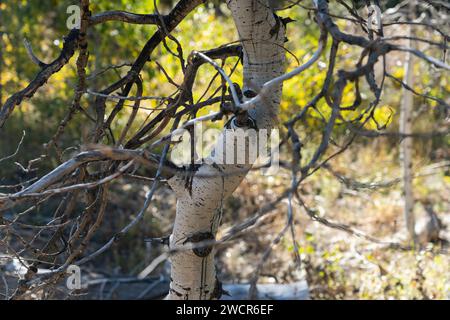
[199,206]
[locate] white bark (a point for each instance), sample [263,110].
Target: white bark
[193,274]
[406,144]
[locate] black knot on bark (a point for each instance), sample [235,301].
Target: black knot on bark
[250,93]
[244,120]
[203,250]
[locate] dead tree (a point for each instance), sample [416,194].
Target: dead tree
[406,145]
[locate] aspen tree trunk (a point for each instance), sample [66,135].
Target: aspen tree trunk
[407,143]
[199,210]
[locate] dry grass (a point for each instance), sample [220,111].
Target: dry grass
[336,264]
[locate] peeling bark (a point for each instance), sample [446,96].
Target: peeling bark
[199,210]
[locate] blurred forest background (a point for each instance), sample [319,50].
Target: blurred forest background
[361,188]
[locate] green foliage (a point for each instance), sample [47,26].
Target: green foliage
[43,23]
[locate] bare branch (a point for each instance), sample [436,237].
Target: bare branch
[70,44]
[124,16]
